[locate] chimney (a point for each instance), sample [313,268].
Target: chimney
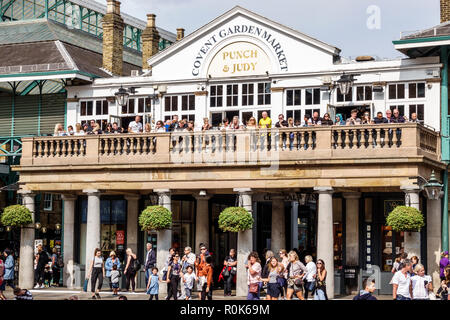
[180,34]
[150,41]
[445,11]
[113,26]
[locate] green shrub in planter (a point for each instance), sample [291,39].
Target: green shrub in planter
[235,219]
[404,218]
[155,218]
[16,216]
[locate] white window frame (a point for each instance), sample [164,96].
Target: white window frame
[313,102]
[364,93]
[97,118]
[48,202]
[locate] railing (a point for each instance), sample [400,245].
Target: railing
[296,144]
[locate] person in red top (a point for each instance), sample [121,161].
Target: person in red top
[200,268]
[207,286]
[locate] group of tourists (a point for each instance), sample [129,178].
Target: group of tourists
[47,268]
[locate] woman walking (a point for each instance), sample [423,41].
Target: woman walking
[310,276]
[296,269]
[275,269]
[173,277]
[283,280]
[130,271]
[422,284]
[253,276]
[230,264]
[8,276]
[55,268]
[110,262]
[321,289]
[97,272]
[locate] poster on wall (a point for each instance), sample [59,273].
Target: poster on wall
[120,237]
[36,243]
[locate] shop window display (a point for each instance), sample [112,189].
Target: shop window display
[337,248]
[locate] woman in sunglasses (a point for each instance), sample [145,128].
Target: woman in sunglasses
[326,121]
[321,289]
[173,277]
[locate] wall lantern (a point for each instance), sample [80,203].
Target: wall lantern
[58,226]
[433,188]
[345,83]
[123,95]
[37,225]
[44,230]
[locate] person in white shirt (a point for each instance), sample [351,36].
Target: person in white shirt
[189,279]
[187,260]
[402,288]
[310,276]
[422,284]
[135,126]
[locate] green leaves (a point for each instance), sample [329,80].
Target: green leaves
[155,218]
[235,219]
[404,218]
[16,216]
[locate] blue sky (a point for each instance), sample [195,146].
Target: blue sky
[341,23]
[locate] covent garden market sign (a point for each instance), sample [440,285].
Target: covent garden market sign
[242,57]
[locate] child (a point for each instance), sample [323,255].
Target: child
[189,279]
[153,284]
[47,275]
[22,294]
[115,275]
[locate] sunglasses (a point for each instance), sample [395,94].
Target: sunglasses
[319,262]
[203,249]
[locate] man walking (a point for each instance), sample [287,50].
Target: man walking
[367,292]
[150,261]
[402,288]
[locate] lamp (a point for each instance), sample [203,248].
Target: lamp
[345,83]
[44,230]
[8,228]
[122,96]
[433,187]
[58,226]
[37,225]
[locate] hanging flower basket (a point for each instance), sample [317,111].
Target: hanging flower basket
[16,216]
[155,218]
[404,218]
[235,219]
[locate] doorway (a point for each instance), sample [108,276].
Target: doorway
[346,111]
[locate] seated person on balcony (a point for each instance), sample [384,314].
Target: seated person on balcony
[174,124]
[70,131]
[380,119]
[339,120]
[353,120]
[189,127]
[147,128]
[225,124]
[265,122]
[282,124]
[135,126]
[366,118]
[116,129]
[78,130]
[206,125]
[235,124]
[414,118]
[59,131]
[97,129]
[89,127]
[397,118]
[326,121]
[181,125]
[307,121]
[316,120]
[159,127]
[389,115]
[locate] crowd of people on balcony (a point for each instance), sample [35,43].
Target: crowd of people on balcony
[175,125]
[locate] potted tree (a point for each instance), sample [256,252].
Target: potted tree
[404,218]
[235,219]
[16,216]
[155,218]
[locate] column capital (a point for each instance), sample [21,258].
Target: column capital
[243,190]
[351,195]
[159,191]
[26,193]
[92,192]
[410,189]
[324,190]
[132,197]
[69,197]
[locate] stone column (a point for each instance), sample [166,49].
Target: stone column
[278,235]
[325,234]
[434,239]
[93,227]
[352,228]
[294,224]
[132,221]
[244,246]
[69,233]
[412,239]
[26,265]
[201,221]
[164,237]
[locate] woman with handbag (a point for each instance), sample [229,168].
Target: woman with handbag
[173,277]
[110,262]
[275,271]
[130,270]
[253,276]
[296,269]
[229,272]
[97,272]
[321,275]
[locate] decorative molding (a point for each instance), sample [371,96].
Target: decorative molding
[434,80]
[277,89]
[200,93]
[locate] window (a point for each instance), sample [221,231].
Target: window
[312,96]
[293,97]
[401,110]
[418,109]
[416,90]
[188,102]
[48,202]
[264,93]
[87,108]
[188,117]
[232,95]
[144,105]
[101,107]
[248,91]
[364,93]
[342,98]
[396,91]
[216,96]
[171,103]
[294,114]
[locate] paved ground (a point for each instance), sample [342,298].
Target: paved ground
[63,293]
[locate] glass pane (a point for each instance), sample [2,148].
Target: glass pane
[251,88]
[167,106]
[235,89]
[90,107]
[260,87]
[228,101]
[421,112]
[349,96]
[412,90]
[392,91]
[298,97]
[252,98]
[268,98]
[412,109]
[244,100]
[83,109]
[131,106]
[290,98]
[297,115]
[219,101]
[368,93]
[213,90]
[105,107]
[98,107]
[124,109]
[175,103]
[184,103]
[360,93]
[235,100]
[421,90]
[244,88]
[148,105]
[400,91]
[220,90]
[316,96]
[229,92]
[212,102]
[141,102]
[191,102]
[340,97]
[289,114]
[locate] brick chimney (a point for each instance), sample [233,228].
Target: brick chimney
[180,34]
[150,41]
[113,26]
[445,11]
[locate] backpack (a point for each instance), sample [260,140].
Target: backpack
[60,262]
[136,265]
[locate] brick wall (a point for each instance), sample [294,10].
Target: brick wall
[445,11]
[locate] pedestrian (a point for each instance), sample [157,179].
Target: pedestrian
[114,279]
[321,276]
[41,261]
[173,277]
[188,281]
[443,290]
[188,260]
[150,261]
[310,276]
[22,294]
[296,271]
[422,284]
[253,276]
[200,268]
[273,286]
[110,262]
[415,262]
[207,286]
[167,264]
[153,284]
[97,272]
[283,279]
[443,263]
[402,287]
[8,275]
[56,271]
[367,292]
[2,280]
[131,268]
[229,272]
